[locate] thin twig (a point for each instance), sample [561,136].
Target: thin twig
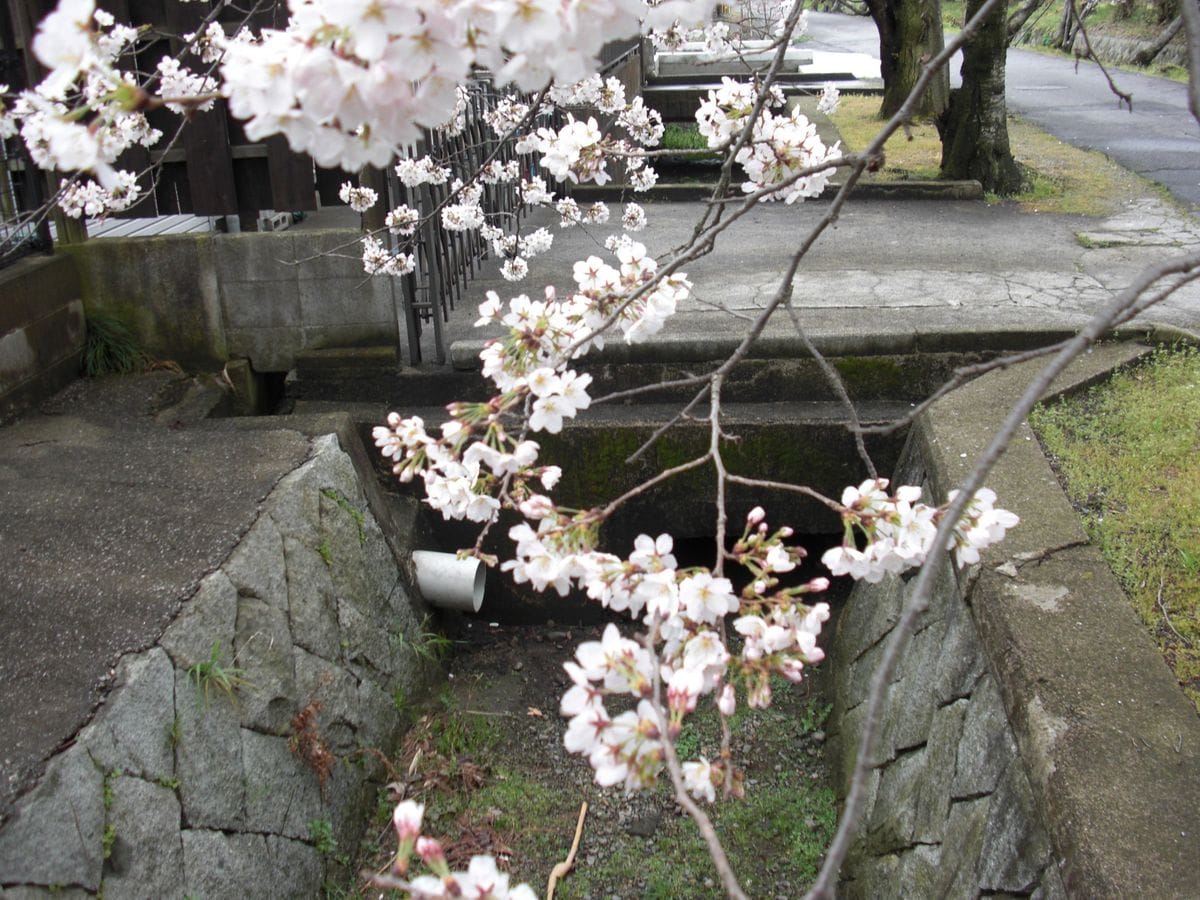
[1167,616]
[561,870]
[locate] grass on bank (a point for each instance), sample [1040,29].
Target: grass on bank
[1128,452]
[486,790]
[1141,25]
[1061,178]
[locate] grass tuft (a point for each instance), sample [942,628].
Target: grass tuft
[110,348]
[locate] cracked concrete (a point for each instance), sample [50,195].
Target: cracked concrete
[885,268]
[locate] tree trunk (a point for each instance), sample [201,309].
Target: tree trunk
[1021,15]
[910,33]
[974,129]
[1146,55]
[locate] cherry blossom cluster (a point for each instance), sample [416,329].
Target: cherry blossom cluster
[87,198]
[684,611]
[899,530]
[781,146]
[349,83]
[481,880]
[86,111]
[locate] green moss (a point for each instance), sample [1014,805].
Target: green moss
[349,509]
[108,839]
[871,377]
[1129,455]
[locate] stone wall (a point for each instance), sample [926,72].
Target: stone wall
[198,776]
[41,331]
[1108,48]
[949,810]
[206,299]
[1034,742]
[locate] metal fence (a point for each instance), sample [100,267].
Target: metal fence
[213,170]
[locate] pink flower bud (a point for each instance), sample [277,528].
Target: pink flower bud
[407,819]
[727,701]
[756,516]
[431,852]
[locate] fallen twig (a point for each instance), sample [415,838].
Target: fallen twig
[565,866]
[1167,616]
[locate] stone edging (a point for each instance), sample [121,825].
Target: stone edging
[181,787]
[1108,745]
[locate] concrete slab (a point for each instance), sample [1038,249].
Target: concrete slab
[110,520]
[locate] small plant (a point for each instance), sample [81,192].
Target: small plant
[308,743]
[427,643]
[171,784]
[814,717]
[212,674]
[326,552]
[321,833]
[174,732]
[110,349]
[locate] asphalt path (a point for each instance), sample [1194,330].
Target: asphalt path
[1158,139]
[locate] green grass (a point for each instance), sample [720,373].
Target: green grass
[683,137]
[1128,452]
[1060,178]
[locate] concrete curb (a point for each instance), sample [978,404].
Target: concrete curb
[868,190]
[1080,678]
[464,355]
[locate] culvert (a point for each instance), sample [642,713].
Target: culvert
[1031,747]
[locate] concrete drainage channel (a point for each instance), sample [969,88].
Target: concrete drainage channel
[1033,744]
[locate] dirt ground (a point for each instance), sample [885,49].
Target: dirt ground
[486,757]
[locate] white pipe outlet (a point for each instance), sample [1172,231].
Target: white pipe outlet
[449,582]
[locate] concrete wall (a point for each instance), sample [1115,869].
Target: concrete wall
[178,787]
[205,299]
[41,331]
[1033,741]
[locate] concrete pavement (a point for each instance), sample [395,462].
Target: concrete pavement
[887,274]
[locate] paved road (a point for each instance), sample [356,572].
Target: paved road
[1158,139]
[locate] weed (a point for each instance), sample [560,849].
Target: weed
[326,551]
[426,643]
[349,509]
[174,732]
[400,700]
[320,831]
[212,674]
[171,784]
[687,745]
[110,349]
[308,743]
[814,717]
